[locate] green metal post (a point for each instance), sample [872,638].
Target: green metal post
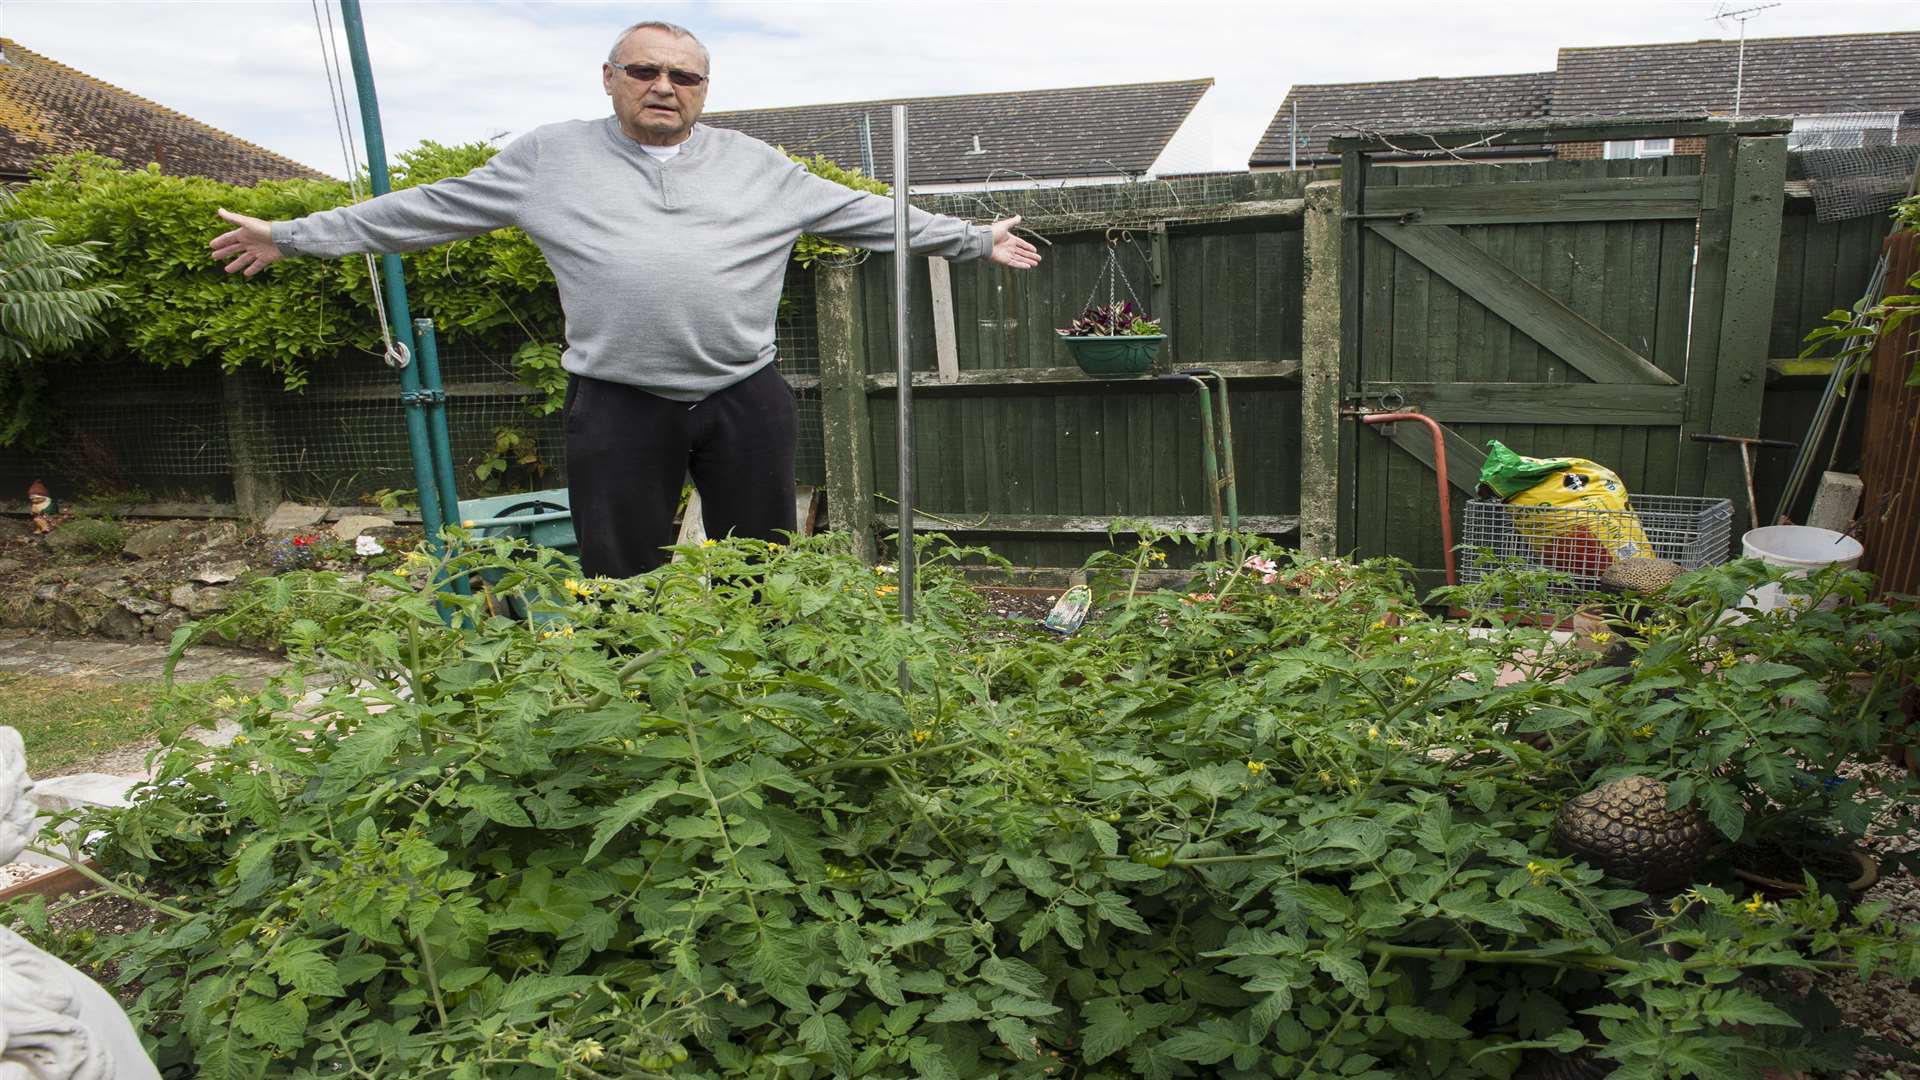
[1227,478]
[434,396]
[396,283]
[1207,456]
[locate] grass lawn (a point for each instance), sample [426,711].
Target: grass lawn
[67,721]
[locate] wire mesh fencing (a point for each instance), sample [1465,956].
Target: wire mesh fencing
[1856,163]
[1057,207]
[1580,544]
[121,427]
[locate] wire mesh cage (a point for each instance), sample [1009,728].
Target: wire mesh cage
[1580,543]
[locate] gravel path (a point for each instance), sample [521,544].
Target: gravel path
[1884,1006]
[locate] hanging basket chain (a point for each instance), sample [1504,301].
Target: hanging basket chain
[1114,275]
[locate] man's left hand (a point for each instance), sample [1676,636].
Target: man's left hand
[1010,250]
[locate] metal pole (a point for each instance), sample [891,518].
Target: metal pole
[1293,138]
[903,361]
[435,398]
[396,282]
[1740,70]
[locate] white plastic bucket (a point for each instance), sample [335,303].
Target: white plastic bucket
[1798,547]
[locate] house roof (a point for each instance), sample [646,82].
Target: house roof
[49,108]
[1329,109]
[1042,134]
[1785,76]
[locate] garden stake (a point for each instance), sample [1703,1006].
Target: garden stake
[1746,446]
[1216,455]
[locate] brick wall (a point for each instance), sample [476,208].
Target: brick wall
[1588,151]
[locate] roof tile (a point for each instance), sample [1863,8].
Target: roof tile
[1077,131]
[49,108]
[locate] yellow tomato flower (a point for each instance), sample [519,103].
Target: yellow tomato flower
[1373,733]
[1256,767]
[922,735]
[709,542]
[587,1051]
[1755,904]
[1601,637]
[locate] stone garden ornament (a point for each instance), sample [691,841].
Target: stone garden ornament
[55,1023]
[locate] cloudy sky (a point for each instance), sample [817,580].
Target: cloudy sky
[460,70]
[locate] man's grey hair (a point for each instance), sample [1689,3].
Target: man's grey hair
[613,54]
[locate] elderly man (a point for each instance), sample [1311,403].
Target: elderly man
[669,240]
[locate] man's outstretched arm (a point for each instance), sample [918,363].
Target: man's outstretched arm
[485,199]
[865,220]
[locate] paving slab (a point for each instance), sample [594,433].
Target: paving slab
[36,654]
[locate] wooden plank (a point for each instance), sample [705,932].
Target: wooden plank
[1463,458]
[1760,165]
[1082,524]
[1627,198]
[1605,131]
[1380,261]
[946,350]
[1166,295]
[1709,297]
[1071,377]
[1353,167]
[1522,303]
[1537,403]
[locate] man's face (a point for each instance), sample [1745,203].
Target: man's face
[659,112]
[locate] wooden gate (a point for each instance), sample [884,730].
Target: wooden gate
[1596,308]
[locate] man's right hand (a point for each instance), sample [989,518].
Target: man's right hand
[249,246]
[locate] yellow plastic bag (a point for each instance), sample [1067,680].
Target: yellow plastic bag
[1575,515]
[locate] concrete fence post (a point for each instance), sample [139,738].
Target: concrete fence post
[1320,373]
[845,431]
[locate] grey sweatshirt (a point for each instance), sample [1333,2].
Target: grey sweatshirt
[670,271]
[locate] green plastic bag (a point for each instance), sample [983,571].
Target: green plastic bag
[1509,474]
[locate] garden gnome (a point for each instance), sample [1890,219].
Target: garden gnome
[40,503]
[55,1023]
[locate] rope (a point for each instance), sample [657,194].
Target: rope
[394,353]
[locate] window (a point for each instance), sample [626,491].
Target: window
[1640,148]
[1843,131]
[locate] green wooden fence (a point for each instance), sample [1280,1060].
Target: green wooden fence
[1016,447]
[1470,307]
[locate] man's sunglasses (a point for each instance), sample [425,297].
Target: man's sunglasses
[648,73]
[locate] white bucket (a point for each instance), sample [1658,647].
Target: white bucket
[1799,547]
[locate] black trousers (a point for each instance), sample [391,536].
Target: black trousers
[628,452]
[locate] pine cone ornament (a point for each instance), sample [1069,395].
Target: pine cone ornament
[1625,829]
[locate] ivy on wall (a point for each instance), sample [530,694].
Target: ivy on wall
[176,306]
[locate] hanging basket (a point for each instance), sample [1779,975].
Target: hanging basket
[1119,354]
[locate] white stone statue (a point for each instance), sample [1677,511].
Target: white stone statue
[55,1023]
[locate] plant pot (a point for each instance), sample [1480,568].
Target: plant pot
[1120,354]
[53,884]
